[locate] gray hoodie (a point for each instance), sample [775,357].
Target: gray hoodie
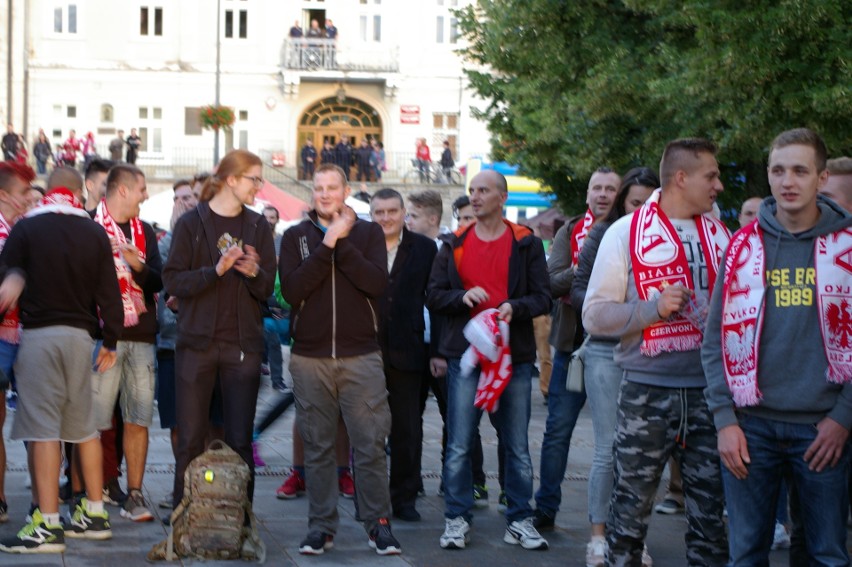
[791,360]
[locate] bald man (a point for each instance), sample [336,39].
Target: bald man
[838,188]
[748,211]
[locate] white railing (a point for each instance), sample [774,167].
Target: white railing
[329,55]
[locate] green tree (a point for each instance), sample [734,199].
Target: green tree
[572,85]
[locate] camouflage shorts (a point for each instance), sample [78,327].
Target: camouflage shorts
[653,424]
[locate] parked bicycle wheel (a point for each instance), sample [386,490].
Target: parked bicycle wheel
[413,177]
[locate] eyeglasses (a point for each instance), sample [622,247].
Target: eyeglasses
[258,181]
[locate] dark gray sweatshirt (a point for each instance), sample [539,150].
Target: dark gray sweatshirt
[791,359]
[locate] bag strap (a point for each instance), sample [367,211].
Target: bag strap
[170,542]
[217,444]
[257,544]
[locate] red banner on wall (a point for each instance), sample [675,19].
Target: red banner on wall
[409,114]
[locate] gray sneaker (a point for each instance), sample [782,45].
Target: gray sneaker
[135,508]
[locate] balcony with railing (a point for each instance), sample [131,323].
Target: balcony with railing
[303,54]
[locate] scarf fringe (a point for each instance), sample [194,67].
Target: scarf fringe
[656,347]
[839,373]
[747,395]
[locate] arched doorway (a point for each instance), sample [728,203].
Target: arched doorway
[330,119]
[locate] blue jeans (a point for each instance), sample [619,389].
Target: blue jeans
[774,447]
[8,353]
[603,381]
[511,419]
[272,343]
[563,408]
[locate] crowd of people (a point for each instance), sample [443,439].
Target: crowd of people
[70,151]
[368,158]
[683,330]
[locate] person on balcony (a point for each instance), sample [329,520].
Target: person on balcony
[330,30]
[296,30]
[315,32]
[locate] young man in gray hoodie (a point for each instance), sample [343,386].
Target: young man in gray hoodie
[777,353]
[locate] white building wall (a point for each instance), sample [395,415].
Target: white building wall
[108,62]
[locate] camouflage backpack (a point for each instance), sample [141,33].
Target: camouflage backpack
[209,521]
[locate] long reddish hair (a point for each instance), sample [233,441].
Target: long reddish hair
[235,162]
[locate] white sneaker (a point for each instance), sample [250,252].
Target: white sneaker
[781,539]
[455,534]
[646,558]
[596,552]
[523,533]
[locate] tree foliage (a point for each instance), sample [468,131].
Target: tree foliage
[571,85]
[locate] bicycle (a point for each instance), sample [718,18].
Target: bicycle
[433,173]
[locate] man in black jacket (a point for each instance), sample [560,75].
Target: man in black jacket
[333,270]
[66,263]
[401,335]
[343,155]
[362,159]
[491,264]
[309,159]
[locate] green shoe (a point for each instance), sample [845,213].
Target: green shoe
[480,496]
[502,502]
[36,537]
[88,525]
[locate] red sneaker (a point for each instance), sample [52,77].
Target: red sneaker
[346,484]
[293,486]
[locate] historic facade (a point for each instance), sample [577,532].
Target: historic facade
[390,74]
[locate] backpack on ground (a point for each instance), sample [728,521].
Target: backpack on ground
[209,522]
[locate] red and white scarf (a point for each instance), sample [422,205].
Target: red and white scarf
[659,260]
[742,304]
[578,235]
[10,327]
[59,200]
[489,350]
[131,294]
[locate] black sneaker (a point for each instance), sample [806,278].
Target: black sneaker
[88,525]
[113,494]
[543,521]
[316,543]
[382,540]
[36,537]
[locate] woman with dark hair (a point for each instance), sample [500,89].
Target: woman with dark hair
[221,268]
[602,375]
[42,152]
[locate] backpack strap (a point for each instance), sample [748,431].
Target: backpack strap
[252,540]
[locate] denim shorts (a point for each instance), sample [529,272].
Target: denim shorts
[132,378]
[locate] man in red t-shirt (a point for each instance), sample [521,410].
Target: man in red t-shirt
[499,264]
[424,158]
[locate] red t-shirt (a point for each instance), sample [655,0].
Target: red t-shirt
[486,264]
